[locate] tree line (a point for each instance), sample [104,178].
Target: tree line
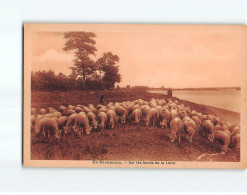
[86,73]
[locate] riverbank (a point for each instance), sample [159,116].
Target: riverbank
[129,141]
[224,115]
[227,99]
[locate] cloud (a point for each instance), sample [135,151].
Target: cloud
[53,55]
[51,59]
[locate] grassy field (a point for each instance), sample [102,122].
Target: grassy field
[124,142]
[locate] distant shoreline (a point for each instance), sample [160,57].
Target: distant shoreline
[199,89]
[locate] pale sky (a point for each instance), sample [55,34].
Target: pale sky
[175,56]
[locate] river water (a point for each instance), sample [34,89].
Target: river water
[227,99]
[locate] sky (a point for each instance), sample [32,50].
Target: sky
[177,56]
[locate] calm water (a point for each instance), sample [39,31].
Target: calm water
[226,99]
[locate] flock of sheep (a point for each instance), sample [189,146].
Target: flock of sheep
[82,119]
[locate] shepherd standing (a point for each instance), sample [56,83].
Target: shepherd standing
[102,99]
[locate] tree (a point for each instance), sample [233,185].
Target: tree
[44,80]
[128,87]
[108,70]
[83,44]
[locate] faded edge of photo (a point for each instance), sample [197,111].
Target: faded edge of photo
[29,29]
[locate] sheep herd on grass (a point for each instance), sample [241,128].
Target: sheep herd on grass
[81,120]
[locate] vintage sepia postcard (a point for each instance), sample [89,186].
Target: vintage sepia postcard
[135,96]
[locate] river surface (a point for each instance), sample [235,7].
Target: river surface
[227,99]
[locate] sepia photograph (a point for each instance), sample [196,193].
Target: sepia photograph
[134,95]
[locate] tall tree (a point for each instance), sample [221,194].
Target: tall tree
[109,70]
[83,44]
